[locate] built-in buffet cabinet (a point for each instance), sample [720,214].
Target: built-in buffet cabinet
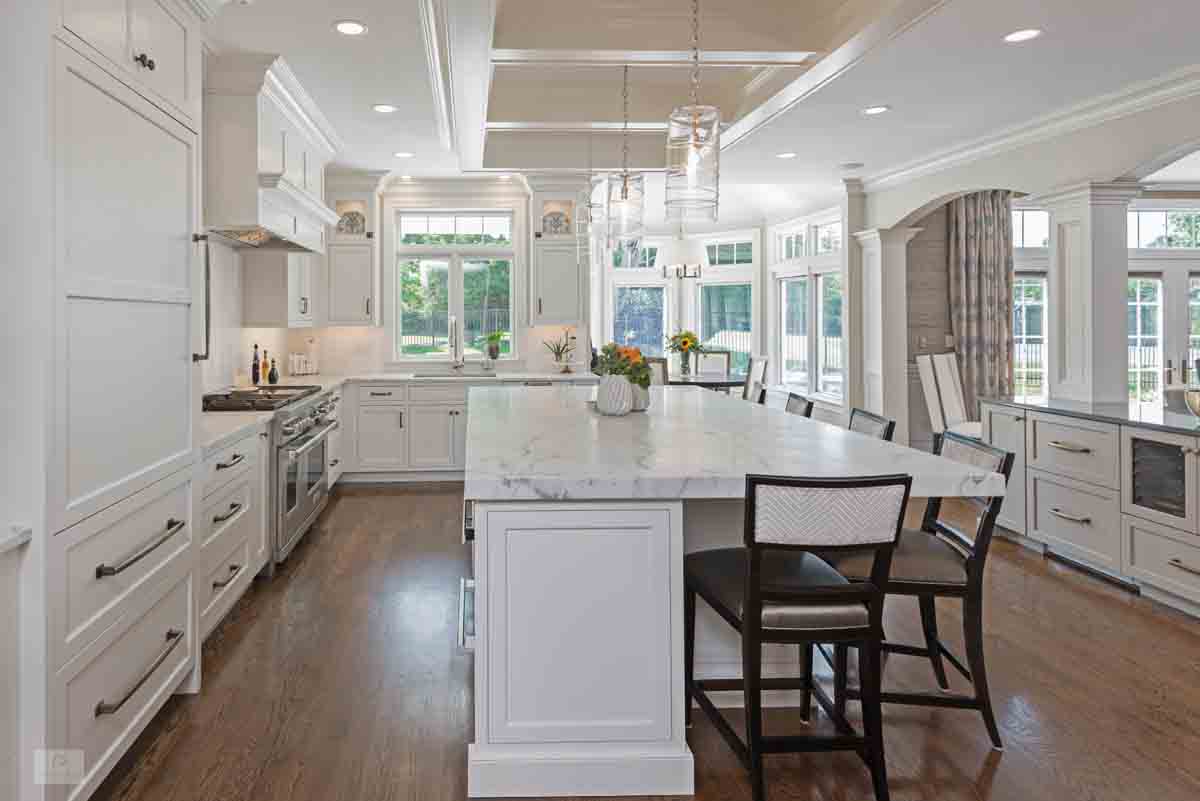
[1118,498]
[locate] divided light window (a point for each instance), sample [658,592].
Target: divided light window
[1029,335]
[726,321]
[1193,320]
[827,238]
[1030,228]
[646,257]
[1164,229]
[811,333]
[728,253]
[1145,338]
[640,318]
[452,268]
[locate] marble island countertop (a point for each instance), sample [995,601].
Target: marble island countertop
[1171,414]
[691,444]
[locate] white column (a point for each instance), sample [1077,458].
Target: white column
[883,302]
[854,214]
[1086,291]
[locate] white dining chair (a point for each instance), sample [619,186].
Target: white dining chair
[754,389]
[714,361]
[658,369]
[949,394]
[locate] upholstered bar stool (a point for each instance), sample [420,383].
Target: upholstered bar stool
[775,590]
[940,561]
[798,404]
[871,424]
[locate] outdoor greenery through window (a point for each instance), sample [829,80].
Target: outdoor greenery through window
[1164,229]
[727,253]
[791,245]
[1030,228]
[1029,335]
[640,318]
[646,257]
[1145,338]
[725,322]
[828,238]
[453,266]
[1194,321]
[793,316]
[831,369]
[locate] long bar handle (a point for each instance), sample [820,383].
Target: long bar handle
[174,637]
[233,574]
[317,439]
[1087,521]
[234,462]
[203,357]
[173,527]
[1177,563]
[234,508]
[1069,447]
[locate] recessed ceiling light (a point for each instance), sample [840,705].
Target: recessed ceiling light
[505,177]
[405,177]
[788,155]
[384,108]
[404,154]
[1023,35]
[350,27]
[872,111]
[851,165]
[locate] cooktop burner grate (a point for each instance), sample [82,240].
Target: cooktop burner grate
[263,399]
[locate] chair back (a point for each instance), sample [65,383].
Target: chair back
[933,401]
[756,376]
[950,391]
[757,394]
[714,361]
[658,369]
[872,425]
[798,404]
[974,546]
[823,515]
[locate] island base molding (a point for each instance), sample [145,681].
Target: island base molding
[537,773]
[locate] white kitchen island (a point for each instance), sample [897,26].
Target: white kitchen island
[581,524]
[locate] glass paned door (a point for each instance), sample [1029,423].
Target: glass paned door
[423,287]
[1029,336]
[793,316]
[640,318]
[1160,477]
[487,286]
[725,322]
[1144,309]
[830,362]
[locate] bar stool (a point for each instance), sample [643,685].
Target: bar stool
[775,589]
[872,425]
[798,404]
[939,561]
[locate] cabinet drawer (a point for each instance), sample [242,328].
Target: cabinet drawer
[101,706]
[232,461]
[372,394]
[223,583]
[114,556]
[1081,449]
[232,507]
[1162,558]
[1076,519]
[438,393]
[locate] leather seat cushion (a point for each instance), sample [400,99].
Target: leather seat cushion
[720,577]
[919,558]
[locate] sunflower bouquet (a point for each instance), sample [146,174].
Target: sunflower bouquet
[685,343]
[627,361]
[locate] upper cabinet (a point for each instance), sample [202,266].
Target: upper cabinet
[266,149]
[277,289]
[559,255]
[352,265]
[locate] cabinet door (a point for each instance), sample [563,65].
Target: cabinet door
[351,280]
[431,437]
[126,392]
[158,33]
[1159,477]
[333,453]
[460,438]
[103,24]
[381,438]
[556,285]
[1004,427]
[299,290]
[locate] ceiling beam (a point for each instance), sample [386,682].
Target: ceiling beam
[577,127]
[661,58]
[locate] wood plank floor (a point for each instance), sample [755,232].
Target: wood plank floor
[341,680]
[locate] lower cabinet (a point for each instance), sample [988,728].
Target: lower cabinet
[1004,427]
[381,438]
[1078,520]
[431,441]
[1162,557]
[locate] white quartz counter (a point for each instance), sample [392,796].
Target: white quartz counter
[218,429]
[551,444]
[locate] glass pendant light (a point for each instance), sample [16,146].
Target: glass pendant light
[626,192]
[693,150]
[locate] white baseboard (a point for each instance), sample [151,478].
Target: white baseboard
[517,772]
[424,476]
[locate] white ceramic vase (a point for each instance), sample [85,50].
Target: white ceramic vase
[641,398]
[614,396]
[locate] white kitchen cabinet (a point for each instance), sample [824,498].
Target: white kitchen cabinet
[333,451]
[126,276]
[460,438]
[381,438]
[431,437]
[1159,477]
[557,281]
[1004,428]
[350,269]
[1075,519]
[277,289]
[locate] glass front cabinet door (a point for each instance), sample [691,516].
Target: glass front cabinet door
[1159,482]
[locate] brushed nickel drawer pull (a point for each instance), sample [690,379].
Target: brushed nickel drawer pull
[233,573]
[1069,447]
[1177,563]
[381,394]
[234,508]
[1087,521]
[234,462]
[174,636]
[173,527]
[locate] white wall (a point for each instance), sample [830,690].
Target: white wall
[227,350]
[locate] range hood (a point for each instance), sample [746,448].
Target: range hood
[266,148]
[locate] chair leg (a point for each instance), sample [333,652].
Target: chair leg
[689,652]
[973,634]
[929,624]
[869,669]
[806,674]
[752,687]
[840,663]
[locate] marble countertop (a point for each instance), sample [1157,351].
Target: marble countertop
[551,444]
[218,429]
[1170,415]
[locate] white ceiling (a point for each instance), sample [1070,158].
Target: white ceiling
[1184,171]
[949,78]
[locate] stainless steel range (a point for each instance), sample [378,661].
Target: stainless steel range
[299,435]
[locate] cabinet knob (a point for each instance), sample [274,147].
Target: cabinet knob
[145,61]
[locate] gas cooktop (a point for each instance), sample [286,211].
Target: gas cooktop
[258,399]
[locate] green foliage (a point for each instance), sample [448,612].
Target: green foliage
[617,360]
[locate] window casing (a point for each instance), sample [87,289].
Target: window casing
[1194,321]
[728,254]
[646,258]
[1029,335]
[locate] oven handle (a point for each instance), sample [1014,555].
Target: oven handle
[295,453]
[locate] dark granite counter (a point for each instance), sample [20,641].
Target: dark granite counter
[1170,415]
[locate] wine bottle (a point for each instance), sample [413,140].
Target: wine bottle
[255,375]
[273,376]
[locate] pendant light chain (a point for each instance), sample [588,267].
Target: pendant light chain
[625,132]
[695,52]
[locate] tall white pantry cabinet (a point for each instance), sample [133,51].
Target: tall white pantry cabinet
[107,619]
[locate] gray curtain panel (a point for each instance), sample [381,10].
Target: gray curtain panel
[981,293]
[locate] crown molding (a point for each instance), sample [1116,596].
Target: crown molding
[437,44]
[873,238]
[1117,193]
[1177,85]
[349,180]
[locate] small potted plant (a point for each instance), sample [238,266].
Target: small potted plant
[625,381]
[562,349]
[493,344]
[685,343]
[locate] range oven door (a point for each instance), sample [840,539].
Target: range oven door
[303,486]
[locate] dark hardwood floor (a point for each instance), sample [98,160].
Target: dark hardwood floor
[341,680]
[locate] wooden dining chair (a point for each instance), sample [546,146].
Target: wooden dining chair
[658,369]
[798,404]
[774,589]
[872,425]
[714,361]
[756,379]
[940,561]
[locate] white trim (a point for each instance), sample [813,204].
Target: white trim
[15,538]
[1133,99]
[640,769]
[662,58]
[433,25]
[576,127]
